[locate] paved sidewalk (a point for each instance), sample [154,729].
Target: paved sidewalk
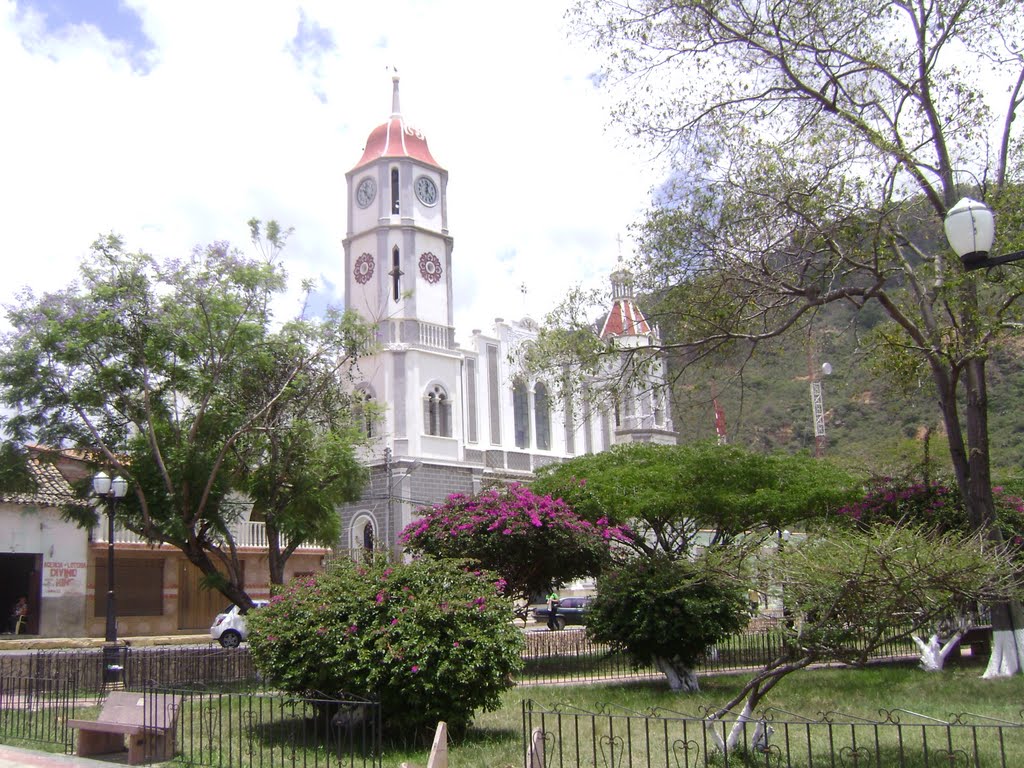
[33,643]
[15,757]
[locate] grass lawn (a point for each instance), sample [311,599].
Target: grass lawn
[495,740]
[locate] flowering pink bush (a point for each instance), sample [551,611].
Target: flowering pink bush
[531,541]
[891,501]
[429,639]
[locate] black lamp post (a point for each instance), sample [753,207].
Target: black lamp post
[111,491]
[784,537]
[970,229]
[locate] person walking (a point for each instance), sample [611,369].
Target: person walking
[553,601]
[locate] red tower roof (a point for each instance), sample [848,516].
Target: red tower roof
[396,138]
[625,319]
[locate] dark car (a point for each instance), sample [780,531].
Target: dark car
[571,610]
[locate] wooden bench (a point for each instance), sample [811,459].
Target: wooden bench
[148,720]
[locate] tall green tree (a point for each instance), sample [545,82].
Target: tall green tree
[675,498]
[817,146]
[846,587]
[700,516]
[175,375]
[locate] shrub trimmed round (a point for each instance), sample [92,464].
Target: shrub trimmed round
[431,640]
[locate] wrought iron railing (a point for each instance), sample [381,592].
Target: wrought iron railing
[35,711]
[612,736]
[211,729]
[88,669]
[567,656]
[570,656]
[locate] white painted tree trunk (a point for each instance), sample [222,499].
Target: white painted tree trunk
[933,654]
[732,738]
[680,677]
[1007,652]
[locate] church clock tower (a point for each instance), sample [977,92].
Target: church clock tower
[398,251]
[398,276]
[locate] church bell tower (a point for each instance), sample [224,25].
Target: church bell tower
[397,249]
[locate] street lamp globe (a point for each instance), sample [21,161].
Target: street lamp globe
[119,486]
[970,230]
[101,483]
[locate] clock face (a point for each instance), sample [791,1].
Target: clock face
[363,270]
[426,190]
[365,192]
[430,267]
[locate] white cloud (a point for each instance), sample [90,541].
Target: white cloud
[225,122]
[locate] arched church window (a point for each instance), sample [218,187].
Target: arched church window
[396,273]
[363,537]
[521,413]
[394,190]
[542,416]
[437,413]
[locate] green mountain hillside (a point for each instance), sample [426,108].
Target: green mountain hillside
[873,424]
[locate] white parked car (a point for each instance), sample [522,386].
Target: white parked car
[229,627]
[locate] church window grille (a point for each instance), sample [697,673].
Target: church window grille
[394,191]
[493,390]
[542,417]
[521,413]
[471,402]
[569,416]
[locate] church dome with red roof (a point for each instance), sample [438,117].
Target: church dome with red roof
[396,138]
[625,317]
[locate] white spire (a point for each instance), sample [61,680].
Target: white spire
[395,109]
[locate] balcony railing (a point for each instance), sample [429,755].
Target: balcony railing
[247,535]
[436,336]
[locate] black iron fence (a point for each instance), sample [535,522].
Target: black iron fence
[35,711]
[96,670]
[262,729]
[570,656]
[565,736]
[210,729]
[550,657]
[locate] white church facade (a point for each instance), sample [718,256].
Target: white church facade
[454,419]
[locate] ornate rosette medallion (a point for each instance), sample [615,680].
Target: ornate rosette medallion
[430,267]
[363,270]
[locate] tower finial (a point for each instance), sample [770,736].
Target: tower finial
[395,109]
[618,239]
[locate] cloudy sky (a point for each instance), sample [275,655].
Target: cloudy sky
[173,123]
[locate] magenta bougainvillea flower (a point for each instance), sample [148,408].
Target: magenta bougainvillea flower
[532,541]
